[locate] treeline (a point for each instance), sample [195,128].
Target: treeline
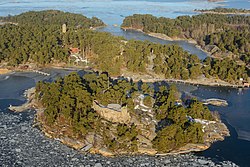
[224,10]
[102,49]
[228,32]
[171,61]
[236,42]
[21,44]
[68,103]
[225,69]
[53,18]
[180,130]
[135,56]
[37,36]
[175,63]
[196,27]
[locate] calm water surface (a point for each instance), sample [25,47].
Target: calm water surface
[236,115]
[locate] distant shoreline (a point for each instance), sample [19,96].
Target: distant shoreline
[223,13]
[200,81]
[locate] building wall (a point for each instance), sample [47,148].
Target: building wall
[111,115]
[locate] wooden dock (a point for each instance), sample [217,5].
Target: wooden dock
[41,72]
[215,102]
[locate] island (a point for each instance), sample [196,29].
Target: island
[35,40]
[226,11]
[97,114]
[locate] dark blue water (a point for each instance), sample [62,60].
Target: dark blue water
[12,86]
[236,115]
[232,148]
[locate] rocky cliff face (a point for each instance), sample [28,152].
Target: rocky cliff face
[144,126]
[144,121]
[111,115]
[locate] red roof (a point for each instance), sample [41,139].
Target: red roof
[74,50]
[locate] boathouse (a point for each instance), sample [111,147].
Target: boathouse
[246,84]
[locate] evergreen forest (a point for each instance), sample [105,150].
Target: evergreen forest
[229,33]
[68,103]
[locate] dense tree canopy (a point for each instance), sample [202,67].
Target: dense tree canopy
[225,69]
[230,33]
[224,10]
[37,36]
[68,103]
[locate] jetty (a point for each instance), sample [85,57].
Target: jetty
[30,94]
[215,102]
[41,72]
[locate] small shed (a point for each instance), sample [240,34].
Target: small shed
[246,84]
[74,50]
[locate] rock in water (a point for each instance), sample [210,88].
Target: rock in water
[23,128]
[203,162]
[98,165]
[167,161]
[18,150]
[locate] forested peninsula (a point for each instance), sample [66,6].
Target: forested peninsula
[37,36]
[223,36]
[52,37]
[97,114]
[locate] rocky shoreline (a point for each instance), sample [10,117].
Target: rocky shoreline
[192,41]
[214,131]
[157,78]
[4,71]
[24,145]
